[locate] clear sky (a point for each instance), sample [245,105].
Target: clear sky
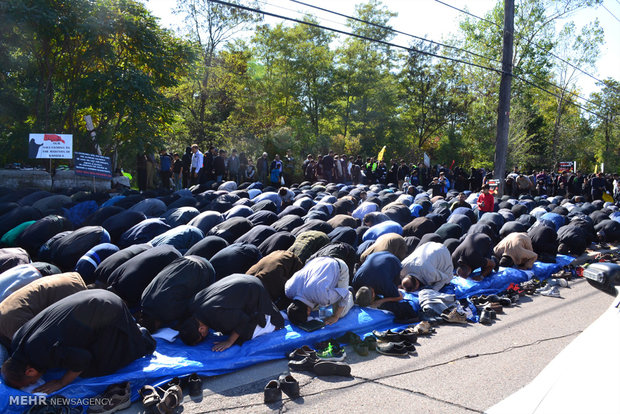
[435,21]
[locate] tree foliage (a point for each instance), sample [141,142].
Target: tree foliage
[295,86]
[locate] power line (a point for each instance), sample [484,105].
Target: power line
[297,11]
[383,42]
[468,13]
[535,44]
[394,30]
[602,5]
[255,10]
[428,40]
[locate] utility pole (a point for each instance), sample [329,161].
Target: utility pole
[503,107]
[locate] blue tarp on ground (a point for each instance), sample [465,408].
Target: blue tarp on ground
[177,359]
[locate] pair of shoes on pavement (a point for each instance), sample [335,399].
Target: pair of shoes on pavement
[397,343]
[300,353]
[550,290]
[558,282]
[407,334]
[115,398]
[487,315]
[172,393]
[530,286]
[321,367]
[452,315]
[285,383]
[401,348]
[330,350]
[361,346]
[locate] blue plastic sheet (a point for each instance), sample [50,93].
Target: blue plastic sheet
[498,281]
[177,359]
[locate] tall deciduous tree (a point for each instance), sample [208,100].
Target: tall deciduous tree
[210,26]
[108,58]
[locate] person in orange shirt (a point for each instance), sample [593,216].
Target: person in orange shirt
[486,201]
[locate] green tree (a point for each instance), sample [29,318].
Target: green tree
[209,26]
[108,58]
[606,126]
[367,88]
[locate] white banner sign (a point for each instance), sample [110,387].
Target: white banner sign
[427,160]
[53,146]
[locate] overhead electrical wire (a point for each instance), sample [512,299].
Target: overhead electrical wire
[431,41]
[535,44]
[395,31]
[266,13]
[383,42]
[608,11]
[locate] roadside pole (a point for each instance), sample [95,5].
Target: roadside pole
[503,107]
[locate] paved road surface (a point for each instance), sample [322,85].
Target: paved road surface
[461,369]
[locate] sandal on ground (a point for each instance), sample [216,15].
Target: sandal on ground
[172,399]
[149,395]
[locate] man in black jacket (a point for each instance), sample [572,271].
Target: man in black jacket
[89,334]
[237,305]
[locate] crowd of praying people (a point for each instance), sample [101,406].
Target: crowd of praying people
[86,279]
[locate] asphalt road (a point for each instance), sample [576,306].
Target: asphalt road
[460,369]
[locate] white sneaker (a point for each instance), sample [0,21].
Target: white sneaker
[553,292]
[543,289]
[558,282]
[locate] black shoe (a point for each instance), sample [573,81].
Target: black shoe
[194,384]
[289,385]
[392,348]
[305,364]
[485,317]
[272,391]
[174,381]
[329,368]
[492,298]
[408,334]
[300,353]
[505,302]
[387,336]
[115,398]
[409,347]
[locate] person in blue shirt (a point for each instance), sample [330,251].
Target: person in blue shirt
[379,275]
[165,168]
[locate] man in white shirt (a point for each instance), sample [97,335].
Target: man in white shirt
[323,281]
[196,166]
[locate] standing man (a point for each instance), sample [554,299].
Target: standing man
[328,166]
[165,168]
[234,165]
[207,168]
[219,166]
[196,165]
[289,167]
[177,171]
[262,167]
[187,165]
[307,161]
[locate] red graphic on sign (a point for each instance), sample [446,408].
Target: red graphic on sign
[53,138]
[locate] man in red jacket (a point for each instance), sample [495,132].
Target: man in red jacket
[486,201]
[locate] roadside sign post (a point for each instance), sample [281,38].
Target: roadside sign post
[92,165]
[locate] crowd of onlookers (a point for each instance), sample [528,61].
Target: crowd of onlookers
[193,167]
